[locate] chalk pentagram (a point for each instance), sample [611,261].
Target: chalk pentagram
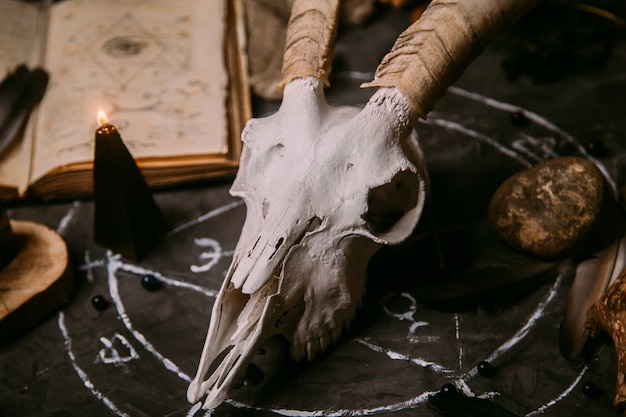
[525,149]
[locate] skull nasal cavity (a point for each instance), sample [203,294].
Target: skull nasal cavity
[265,206]
[313,224]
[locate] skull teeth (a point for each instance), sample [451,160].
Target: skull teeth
[320,339]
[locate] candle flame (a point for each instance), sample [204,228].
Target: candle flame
[102,117]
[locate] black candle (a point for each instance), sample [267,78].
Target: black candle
[127,219]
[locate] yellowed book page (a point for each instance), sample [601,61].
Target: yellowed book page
[18,34]
[14,165]
[155,67]
[19,41]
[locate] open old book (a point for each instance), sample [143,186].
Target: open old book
[170,74]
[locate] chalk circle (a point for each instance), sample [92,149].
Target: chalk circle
[412,400]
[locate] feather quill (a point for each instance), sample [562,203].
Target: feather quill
[593,277]
[20,91]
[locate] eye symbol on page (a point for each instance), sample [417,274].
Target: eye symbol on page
[124,46]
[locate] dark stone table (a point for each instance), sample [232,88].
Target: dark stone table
[427,320]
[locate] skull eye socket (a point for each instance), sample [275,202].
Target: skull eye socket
[379,219]
[391,207]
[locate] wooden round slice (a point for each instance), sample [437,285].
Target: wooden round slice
[36,282]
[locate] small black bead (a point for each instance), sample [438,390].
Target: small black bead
[99,302]
[447,389]
[519,119]
[591,390]
[485,369]
[150,282]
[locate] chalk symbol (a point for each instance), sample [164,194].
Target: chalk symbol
[524,150]
[213,255]
[407,315]
[110,354]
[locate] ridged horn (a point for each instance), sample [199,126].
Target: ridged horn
[435,50]
[310,35]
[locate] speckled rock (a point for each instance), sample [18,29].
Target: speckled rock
[548,210]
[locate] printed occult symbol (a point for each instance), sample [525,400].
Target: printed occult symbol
[126,50]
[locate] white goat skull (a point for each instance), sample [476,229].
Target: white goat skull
[322,195]
[325,187]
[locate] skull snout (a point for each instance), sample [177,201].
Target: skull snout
[263,258]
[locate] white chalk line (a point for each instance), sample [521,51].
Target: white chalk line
[433,120]
[516,338]
[206,216]
[511,108]
[114,357]
[67,219]
[564,394]
[63,224]
[507,345]
[542,121]
[289,412]
[525,329]
[546,146]
[451,125]
[169,281]
[399,356]
[85,378]
[552,293]
[113,264]
[81,373]
[214,255]
[89,265]
[62,227]
[459,343]
[89,270]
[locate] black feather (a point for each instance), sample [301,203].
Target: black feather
[20,91]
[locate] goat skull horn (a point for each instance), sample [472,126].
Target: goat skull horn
[325,186]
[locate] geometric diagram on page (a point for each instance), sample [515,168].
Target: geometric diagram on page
[418,351]
[125,50]
[122,65]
